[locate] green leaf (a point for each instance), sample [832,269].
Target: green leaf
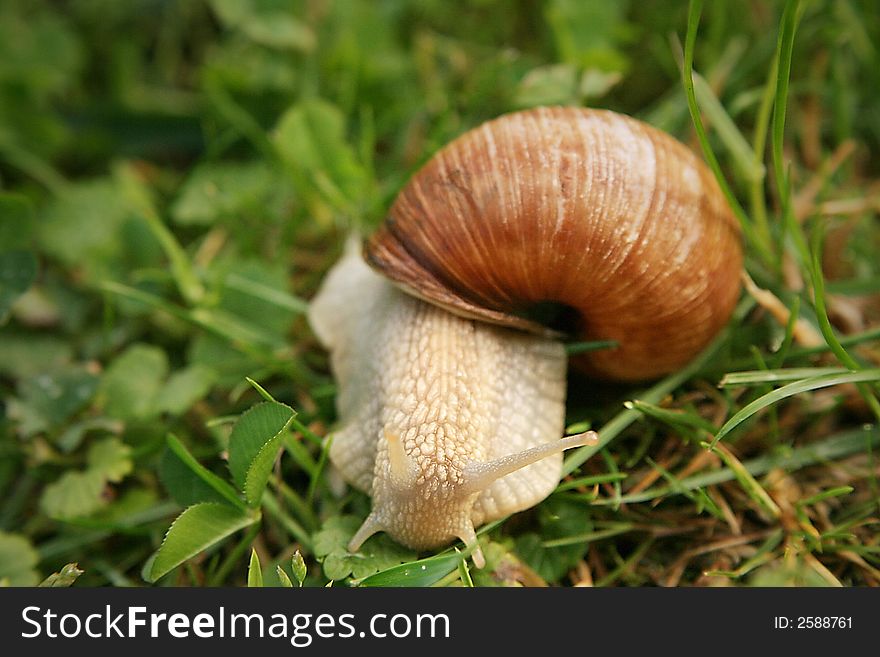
[40,52]
[279,30]
[64,578]
[310,138]
[257,295]
[259,425]
[185,487]
[230,365]
[551,84]
[378,553]
[255,572]
[74,494]
[298,566]
[223,190]
[131,504]
[184,388]
[24,356]
[189,482]
[18,269]
[78,494]
[260,469]
[90,230]
[131,383]
[334,534]
[586,33]
[283,577]
[16,222]
[231,12]
[56,396]
[558,520]
[111,458]
[18,560]
[196,529]
[265,24]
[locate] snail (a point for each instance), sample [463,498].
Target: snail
[451,395]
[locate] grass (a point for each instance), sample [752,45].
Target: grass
[176,179]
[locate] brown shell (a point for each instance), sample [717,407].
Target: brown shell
[585,208]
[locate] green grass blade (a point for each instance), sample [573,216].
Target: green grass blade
[572,348]
[796,388]
[260,389]
[762,377]
[758,203]
[423,572]
[826,495]
[464,573]
[794,313]
[591,481]
[242,337]
[672,417]
[742,154]
[762,555]
[138,196]
[294,528]
[834,344]
[803,352]
[785,46]
[694,11]
[615,530]
[697,495]
[818,281]
[746,480]
[834,447]
[266,293]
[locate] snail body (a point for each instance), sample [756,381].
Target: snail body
[451,396]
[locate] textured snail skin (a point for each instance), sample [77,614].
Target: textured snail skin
[588,208]
[452,419]
[446,422]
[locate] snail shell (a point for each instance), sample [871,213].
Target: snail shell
[589,209]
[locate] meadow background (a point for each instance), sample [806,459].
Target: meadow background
[177,177]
